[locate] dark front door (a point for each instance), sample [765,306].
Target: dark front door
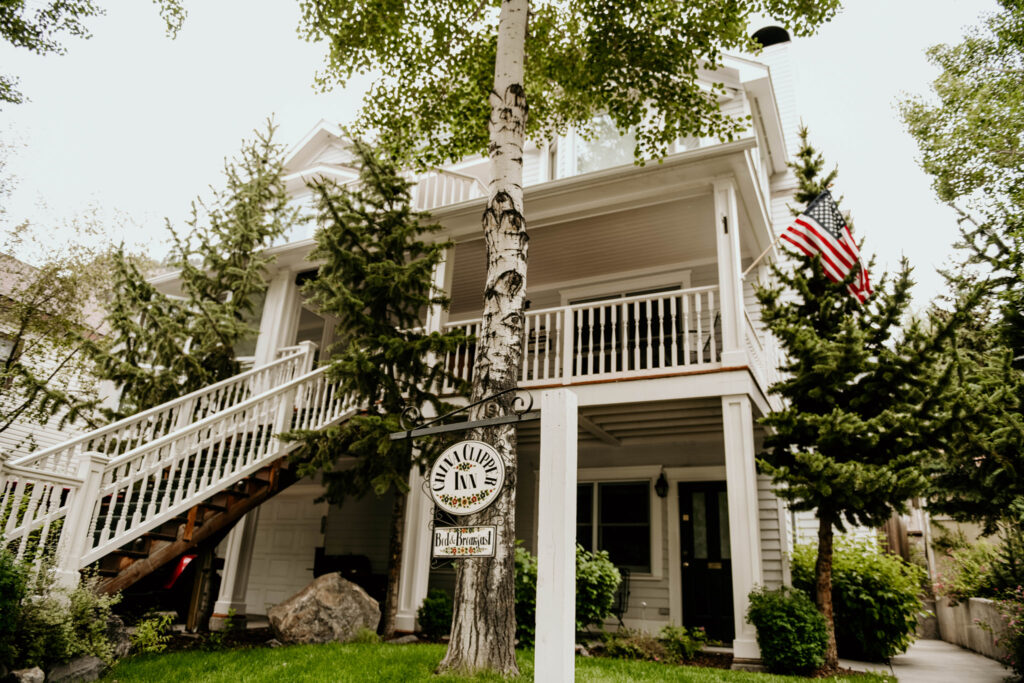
[706,559]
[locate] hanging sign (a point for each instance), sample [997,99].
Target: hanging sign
[466,478]
[472,541]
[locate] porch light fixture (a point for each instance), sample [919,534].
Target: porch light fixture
[661,486]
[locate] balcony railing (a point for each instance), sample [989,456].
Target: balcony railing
[631,337]
[439,188]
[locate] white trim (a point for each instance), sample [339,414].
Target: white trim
[675,476]
[649,473]
[642,278]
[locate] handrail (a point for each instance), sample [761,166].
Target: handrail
[600,302]
[206,421]
[30,459]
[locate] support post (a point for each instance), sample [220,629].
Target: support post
[730,282]
[415,570]
[744,524]
[75,535]
[554,659]
[278,326]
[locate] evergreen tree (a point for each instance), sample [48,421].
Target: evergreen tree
[970,135]
[375,277]
[861,394]
[160,347]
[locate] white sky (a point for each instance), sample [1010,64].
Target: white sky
[133,122]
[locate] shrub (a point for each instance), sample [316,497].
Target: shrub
[683,644]
[13,588]
[875,597]
[596,582]
[790,630]
[634,644]
[435,614]
[526,594]
[969,572]
[152,634]
[1012,609]
[366,636]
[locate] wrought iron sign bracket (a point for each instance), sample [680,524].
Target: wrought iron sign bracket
[521,412]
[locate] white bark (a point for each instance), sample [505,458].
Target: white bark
[483,630]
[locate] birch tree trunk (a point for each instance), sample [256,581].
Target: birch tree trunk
[483,628]
[823,588]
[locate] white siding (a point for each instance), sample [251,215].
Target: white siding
[774,569]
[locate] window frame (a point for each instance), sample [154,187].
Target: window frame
[626,475]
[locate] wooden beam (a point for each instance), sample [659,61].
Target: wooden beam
[213,529]
[588,425]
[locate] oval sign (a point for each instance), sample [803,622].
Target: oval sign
[467,477]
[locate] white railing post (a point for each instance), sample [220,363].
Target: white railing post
[568,337]
[75,534]
[308,353]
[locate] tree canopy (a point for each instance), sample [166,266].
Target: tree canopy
[970,133]
[438,60]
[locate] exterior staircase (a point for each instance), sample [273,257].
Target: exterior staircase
[133,495]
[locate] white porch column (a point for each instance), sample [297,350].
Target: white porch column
[415,571]
[278,327]
[730,286]
[414,576]
[554,659]
[744,527]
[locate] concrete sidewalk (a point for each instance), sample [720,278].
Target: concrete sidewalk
[936,661]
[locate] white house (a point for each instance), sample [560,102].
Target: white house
[638,302]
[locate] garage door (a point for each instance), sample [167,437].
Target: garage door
[288,531]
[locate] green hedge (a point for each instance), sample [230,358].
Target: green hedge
[596,582]
[790,630]
[876,597]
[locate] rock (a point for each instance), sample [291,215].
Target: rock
[329,609]
[404,640]
[33,675]
[117,636]
[582,651]
[81,669]
[273,643]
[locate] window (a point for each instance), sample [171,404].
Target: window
[606,149]
[616,516]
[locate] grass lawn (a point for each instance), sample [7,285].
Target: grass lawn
[398,663]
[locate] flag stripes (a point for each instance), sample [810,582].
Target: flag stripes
[821,231]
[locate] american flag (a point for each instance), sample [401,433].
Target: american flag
[821,230]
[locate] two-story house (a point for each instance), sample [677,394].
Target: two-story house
[638,301]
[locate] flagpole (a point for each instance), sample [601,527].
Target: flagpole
[758,259]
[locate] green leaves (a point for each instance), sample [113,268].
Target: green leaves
[859,417]
[160,347]
[375,278]
[638,62]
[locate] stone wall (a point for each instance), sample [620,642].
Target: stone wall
[962,625]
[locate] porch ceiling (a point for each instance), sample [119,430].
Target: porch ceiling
[666,234]
[635,422]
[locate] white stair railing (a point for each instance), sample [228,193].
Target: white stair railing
[123,435]
[98,502]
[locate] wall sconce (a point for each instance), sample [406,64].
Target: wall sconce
[661,486]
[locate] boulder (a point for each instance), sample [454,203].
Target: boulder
[80,669]
[33,675]
[329,609]
[117,636]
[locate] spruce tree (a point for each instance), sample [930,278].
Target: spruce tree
[160,347]
[860,390]
[375,277]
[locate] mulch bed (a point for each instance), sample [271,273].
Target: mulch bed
[712,660]
[228,640]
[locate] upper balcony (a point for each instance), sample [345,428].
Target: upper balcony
[645,336]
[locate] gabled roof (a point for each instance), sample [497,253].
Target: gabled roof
[322,152]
